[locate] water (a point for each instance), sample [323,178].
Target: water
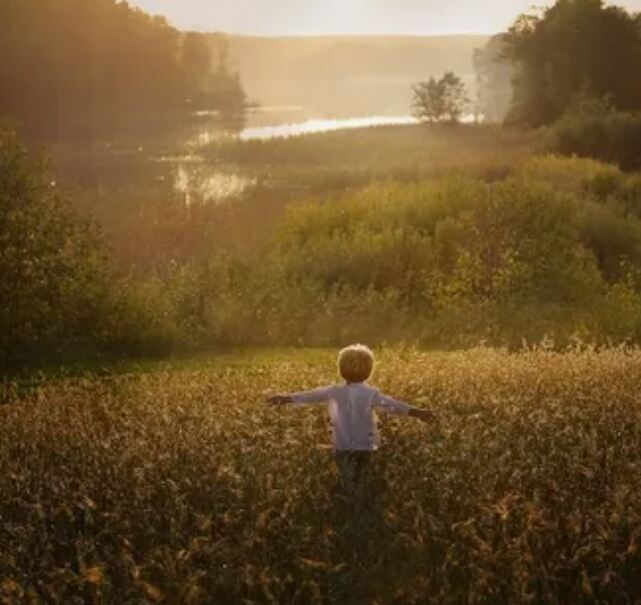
[174,160]
[195,182]
[319,126]
[300,127]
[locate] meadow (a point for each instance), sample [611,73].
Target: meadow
[548,249]
[442,236]
[175,483]
[146,222]
[400,153]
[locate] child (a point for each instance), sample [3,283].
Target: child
[351,409]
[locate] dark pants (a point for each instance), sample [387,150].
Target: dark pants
[352,465]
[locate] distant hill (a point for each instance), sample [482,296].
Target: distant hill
[346,76]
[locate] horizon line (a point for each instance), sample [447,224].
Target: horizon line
[342,35]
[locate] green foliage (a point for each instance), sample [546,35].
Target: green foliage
[551,251]
[577,176]
[442,100]
[448,249]
[179,485]
[51,262]
[549,247]
[575,49]
[597,131]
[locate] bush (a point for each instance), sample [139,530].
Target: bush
[444,263]
[51,262]
[601,133]
[572,175]
[553,250]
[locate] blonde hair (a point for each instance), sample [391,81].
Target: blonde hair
[355,363]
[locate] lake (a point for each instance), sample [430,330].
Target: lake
[174,159]
[194,180]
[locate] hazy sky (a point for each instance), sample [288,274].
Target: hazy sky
[304,17]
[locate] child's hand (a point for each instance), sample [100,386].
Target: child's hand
[425,415]
[278,399]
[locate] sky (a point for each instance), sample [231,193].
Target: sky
[338,17]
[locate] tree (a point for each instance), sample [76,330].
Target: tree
[225,91]
[196,59]
[494,73]
[575,49]
[50,261]
[80,68]
[441,100]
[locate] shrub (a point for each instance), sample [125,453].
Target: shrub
[550,251]
[600,133]
[572,175]
[51,262]
[447,262]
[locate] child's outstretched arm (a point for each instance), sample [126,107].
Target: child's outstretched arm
[320,395]
[392,406]
[424,415]
[279,399]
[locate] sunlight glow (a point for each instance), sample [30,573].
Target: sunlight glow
[344,17]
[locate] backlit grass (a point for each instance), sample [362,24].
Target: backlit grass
[178,485]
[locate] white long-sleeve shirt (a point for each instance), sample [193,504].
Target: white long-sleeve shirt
[351,413]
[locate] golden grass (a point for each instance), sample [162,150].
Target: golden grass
[179,485]
[325,161]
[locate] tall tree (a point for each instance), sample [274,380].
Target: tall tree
[225,90]
[494,73]
[71,67]
[576,48]
[196,58]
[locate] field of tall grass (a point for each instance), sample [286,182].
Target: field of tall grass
[382,152]
[177,484]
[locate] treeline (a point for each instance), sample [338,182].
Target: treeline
[549,63]
[576,49]
[76,68]
[575,67]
